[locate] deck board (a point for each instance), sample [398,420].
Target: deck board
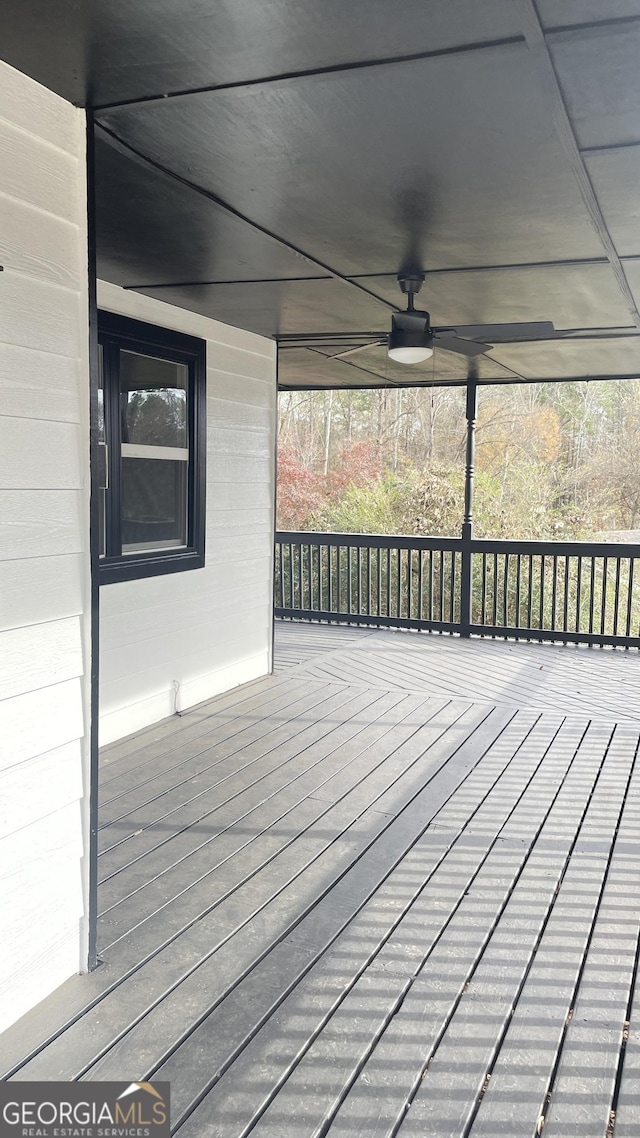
[561,892]
[392,889]
[178,944]
[391,1081]
[574,679]
[345,759]
[230,767]
[157,762]
[305,867]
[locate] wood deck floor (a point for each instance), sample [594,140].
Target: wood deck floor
[392,890]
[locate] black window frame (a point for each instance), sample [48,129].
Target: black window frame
[117,333]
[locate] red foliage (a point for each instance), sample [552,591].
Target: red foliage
[300,491]
[360,463]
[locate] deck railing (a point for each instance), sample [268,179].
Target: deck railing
[534,590]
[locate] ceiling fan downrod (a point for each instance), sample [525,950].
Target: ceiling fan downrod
[410,284]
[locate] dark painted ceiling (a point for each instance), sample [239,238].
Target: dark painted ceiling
[275,163]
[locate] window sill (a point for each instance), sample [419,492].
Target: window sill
[137,567]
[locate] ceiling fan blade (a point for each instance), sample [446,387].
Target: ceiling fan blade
[452,343]
[495,333]
[360,348]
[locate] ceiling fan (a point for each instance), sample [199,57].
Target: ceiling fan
[412,338]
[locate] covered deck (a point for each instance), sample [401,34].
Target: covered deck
[392,889]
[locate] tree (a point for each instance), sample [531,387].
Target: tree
[553,460]
[299,491]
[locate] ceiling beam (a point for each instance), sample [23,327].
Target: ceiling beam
[565,263]
[328,69]
[240,281]
[561,336]
[143,159]
[579,262]
[611,147]
[535,37]
[605,22]
[384,61]
[458,382]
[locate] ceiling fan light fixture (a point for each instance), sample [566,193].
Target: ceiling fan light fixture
[409,347]
[410,355]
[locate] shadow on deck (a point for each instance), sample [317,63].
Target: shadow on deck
[393,889]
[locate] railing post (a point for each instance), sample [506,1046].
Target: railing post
[466,568]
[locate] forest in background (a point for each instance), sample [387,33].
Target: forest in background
[554,460]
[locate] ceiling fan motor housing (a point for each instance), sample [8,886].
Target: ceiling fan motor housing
[410,283]
[409,338]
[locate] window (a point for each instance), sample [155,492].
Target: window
[152,424]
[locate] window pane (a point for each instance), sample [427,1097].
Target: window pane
[101,438]
[153,400]
[154,504]
[102,455]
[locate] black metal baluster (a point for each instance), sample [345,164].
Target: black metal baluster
[593,593]
[483,596]
[530,593]
[517,602]
[420,556]
[359,572]
[431,585]
[452,597]
[291,605]
[301,597]
[441,590]
[291,582]
[603,609]
[494,607]
[630,597]
[579,594]
[542,583]
[388,580]
[505,591]
[349,580]
[410,580]
[565,603]
[399,583]
[554,591]
[616,604]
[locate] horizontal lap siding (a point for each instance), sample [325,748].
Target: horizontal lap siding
[44,525]
[167,643]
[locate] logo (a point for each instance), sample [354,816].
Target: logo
[84,1110]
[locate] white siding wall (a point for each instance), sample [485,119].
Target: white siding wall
[44,526]
[205,630]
